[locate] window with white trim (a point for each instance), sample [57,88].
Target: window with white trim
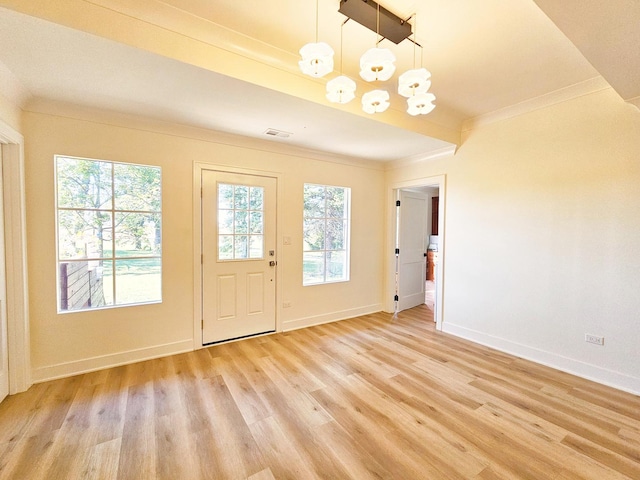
[108,232]
[326,228]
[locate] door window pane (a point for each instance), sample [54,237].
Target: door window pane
[256,244]
[241,247]
[225,247]
[240,222]
[256,198]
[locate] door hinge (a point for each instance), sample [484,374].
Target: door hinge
[397,251]
[202,259]
[395,298]
[202,324]
[201,194]
[397,203]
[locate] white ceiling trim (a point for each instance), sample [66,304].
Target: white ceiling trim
[587,87]
[160,127]
[635,101]
[448,151]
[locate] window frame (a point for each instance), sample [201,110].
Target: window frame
[346,233]
[113,258]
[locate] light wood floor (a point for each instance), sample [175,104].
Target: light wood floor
[359,399]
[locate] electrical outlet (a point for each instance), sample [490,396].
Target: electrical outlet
[593,339]
[286,304]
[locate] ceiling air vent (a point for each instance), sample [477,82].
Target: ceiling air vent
[277,133]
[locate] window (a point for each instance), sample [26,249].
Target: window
[240,222]
[108,233]
[325,234]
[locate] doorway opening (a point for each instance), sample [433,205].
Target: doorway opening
[15,344]
[415,229]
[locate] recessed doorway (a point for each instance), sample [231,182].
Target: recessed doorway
[427,245]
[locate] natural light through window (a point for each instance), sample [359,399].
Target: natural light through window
[240,222]
[108,233]
[326,234]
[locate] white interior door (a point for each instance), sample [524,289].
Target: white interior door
[412,265]
[239,255]
[4,349]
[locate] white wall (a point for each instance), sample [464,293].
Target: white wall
[542,223]
[543,234]
[10,113]
[74,342]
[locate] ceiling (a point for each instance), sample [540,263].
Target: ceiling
[231,66]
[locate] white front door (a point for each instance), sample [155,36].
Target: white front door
[412,265]
[4,349]
[239,255]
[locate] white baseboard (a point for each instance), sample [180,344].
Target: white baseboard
[330,317]
[597,374]
[68,369]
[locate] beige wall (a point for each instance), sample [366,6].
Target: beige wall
[74,342]
[543,234]
[10,113]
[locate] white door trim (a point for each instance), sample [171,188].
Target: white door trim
[390,258]
[198,167]
[16,259]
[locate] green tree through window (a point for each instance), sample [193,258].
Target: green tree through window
[108,233]
[325,234]
[240,222]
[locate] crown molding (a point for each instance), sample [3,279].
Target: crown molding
[152,125]
[447,151]
[580,89]
[634,101]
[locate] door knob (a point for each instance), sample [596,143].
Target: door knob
[272,263]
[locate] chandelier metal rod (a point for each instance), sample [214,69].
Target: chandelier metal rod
[317,10]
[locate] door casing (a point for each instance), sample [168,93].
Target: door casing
[238,294]
[198,167]
[4,344]
[17,306]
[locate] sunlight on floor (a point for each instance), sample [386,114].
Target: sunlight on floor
[430,294]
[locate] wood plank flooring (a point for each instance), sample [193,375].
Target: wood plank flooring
[366,398]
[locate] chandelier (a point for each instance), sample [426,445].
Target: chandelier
[341,89]
[317,58]
[376,64]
